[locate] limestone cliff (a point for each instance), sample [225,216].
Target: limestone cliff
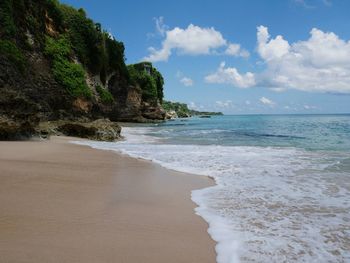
[57,64]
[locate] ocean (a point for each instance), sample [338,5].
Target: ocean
[282,190]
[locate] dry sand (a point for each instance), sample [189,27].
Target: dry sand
[61,202]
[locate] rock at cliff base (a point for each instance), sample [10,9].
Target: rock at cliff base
[100,130]
[14,130]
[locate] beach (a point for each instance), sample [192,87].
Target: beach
[61,202]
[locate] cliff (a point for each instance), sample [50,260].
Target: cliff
[57,64]
[181,110]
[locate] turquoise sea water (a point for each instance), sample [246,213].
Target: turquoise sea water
[282,190]
[311,132]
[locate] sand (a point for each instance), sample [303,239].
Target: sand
[61,202]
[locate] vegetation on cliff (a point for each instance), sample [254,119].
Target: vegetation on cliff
[150,80]
[57,58]
[14,54]
[74,43]
[182,110]
[105,96]
[69,74]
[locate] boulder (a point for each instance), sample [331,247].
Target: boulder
[99,130]
[153,112]
[171,115]
[11,129]
[18,116]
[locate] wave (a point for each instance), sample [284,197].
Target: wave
[270,204]
[254,134]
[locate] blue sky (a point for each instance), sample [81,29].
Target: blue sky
[239,57]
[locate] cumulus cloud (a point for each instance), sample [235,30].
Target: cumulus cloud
[267,101]
[319,64]
[187,81]
[271,49]
[236,50]
[193,40]
[227,75]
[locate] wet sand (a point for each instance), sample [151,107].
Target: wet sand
[61,202]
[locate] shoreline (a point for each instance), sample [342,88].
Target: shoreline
[62,202]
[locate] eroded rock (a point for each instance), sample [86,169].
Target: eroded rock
[99,130]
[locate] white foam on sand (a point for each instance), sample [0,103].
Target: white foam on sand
[269,205]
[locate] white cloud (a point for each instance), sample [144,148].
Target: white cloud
[231,76]
[267,101]
[278,89]
[304,3]
[273,49]
[319,64]
[186,81]
[192,40]
[327,2]
[160,26]
[236,50]
[192,105]
[224,104]
[247,102]
[309,107]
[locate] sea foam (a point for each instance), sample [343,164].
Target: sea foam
[269,204]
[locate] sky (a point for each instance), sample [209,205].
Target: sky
[242,56]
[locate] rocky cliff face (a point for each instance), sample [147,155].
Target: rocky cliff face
[38,85]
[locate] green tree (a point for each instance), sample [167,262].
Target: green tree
[149,79]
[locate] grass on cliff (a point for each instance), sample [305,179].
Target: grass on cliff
[10,50]
[105,96]
[69,74]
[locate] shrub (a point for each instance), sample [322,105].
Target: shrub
[105,95]
[9,49]
[70,75]
[57,49]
